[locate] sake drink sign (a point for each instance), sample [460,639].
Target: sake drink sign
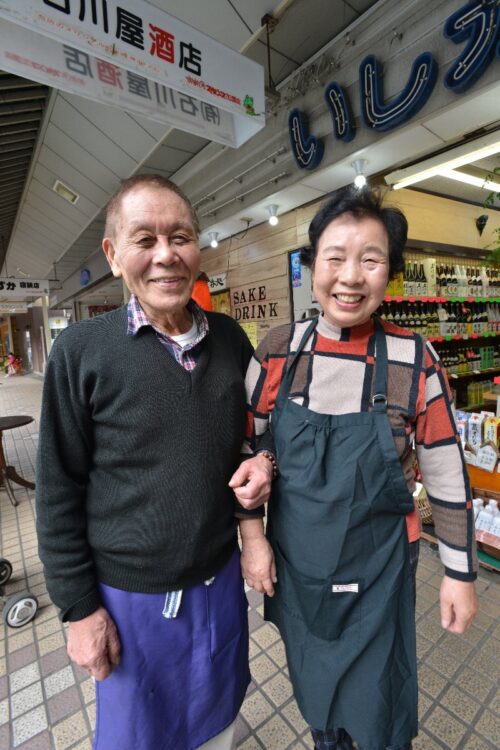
[251,303]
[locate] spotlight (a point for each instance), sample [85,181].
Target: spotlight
[213,237]
[359,167]
[273,214]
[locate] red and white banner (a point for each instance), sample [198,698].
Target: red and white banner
[133,55]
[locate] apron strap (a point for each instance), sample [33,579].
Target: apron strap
[379,398]
[286,381]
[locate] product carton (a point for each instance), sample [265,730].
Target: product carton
[475,437]
[462,423]
[492,430]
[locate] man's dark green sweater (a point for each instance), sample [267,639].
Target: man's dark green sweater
[135,454]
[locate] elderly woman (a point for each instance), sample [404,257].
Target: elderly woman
[347,395]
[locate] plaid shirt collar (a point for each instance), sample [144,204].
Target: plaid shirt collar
[137,319]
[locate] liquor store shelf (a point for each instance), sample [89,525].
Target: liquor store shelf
[473,373]
[438,298]
[463,337]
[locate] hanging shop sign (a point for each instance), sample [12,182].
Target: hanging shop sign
[251,303]
[217,282]
[13,307]
[118,50]
[18,288]
[477,23]
[85,75]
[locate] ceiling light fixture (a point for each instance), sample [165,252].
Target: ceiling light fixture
[470,179]
[214,239]
[481,148]
[273,214]
[359,167]
[65,192]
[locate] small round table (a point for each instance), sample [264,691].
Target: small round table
[8,474]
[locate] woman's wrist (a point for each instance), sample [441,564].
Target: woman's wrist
[251,529]
[271,458]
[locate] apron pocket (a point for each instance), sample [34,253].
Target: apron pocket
[227,608]
[330,607]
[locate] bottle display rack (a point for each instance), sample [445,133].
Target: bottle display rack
[455,306]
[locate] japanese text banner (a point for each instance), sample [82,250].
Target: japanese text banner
[19,288]
[44,60]
[142,39]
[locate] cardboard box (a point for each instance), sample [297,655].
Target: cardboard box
[492,430]
[475,437]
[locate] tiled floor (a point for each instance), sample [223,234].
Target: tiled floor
[47,703]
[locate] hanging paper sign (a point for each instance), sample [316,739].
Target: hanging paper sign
[217,282]
[141,40]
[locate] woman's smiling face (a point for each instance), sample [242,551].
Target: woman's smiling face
[351,269]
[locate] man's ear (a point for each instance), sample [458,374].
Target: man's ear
[111,256]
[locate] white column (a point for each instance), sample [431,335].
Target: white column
[46,327]
[9,328]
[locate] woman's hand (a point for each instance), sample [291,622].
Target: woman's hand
[458,604]
[257,559]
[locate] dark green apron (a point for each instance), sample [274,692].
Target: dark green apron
[343,601]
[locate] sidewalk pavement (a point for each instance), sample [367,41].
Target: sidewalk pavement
[47,703]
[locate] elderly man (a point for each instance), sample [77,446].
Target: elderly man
[143,417]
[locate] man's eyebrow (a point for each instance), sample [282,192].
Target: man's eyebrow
[152,227]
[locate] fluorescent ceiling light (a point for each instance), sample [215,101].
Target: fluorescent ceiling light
[470,179]
[359,166]
[481,148]
[273,214]
[65,192]
[214,239]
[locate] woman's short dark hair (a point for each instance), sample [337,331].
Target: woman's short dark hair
[359,203]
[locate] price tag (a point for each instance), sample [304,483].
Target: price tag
[476,372]
[399,298]
[453,375]
[388,298]
[487,457]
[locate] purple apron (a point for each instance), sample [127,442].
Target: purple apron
[180,681]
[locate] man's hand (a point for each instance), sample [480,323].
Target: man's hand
[93,644]
[257,559]
[458,604]
[251,482]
